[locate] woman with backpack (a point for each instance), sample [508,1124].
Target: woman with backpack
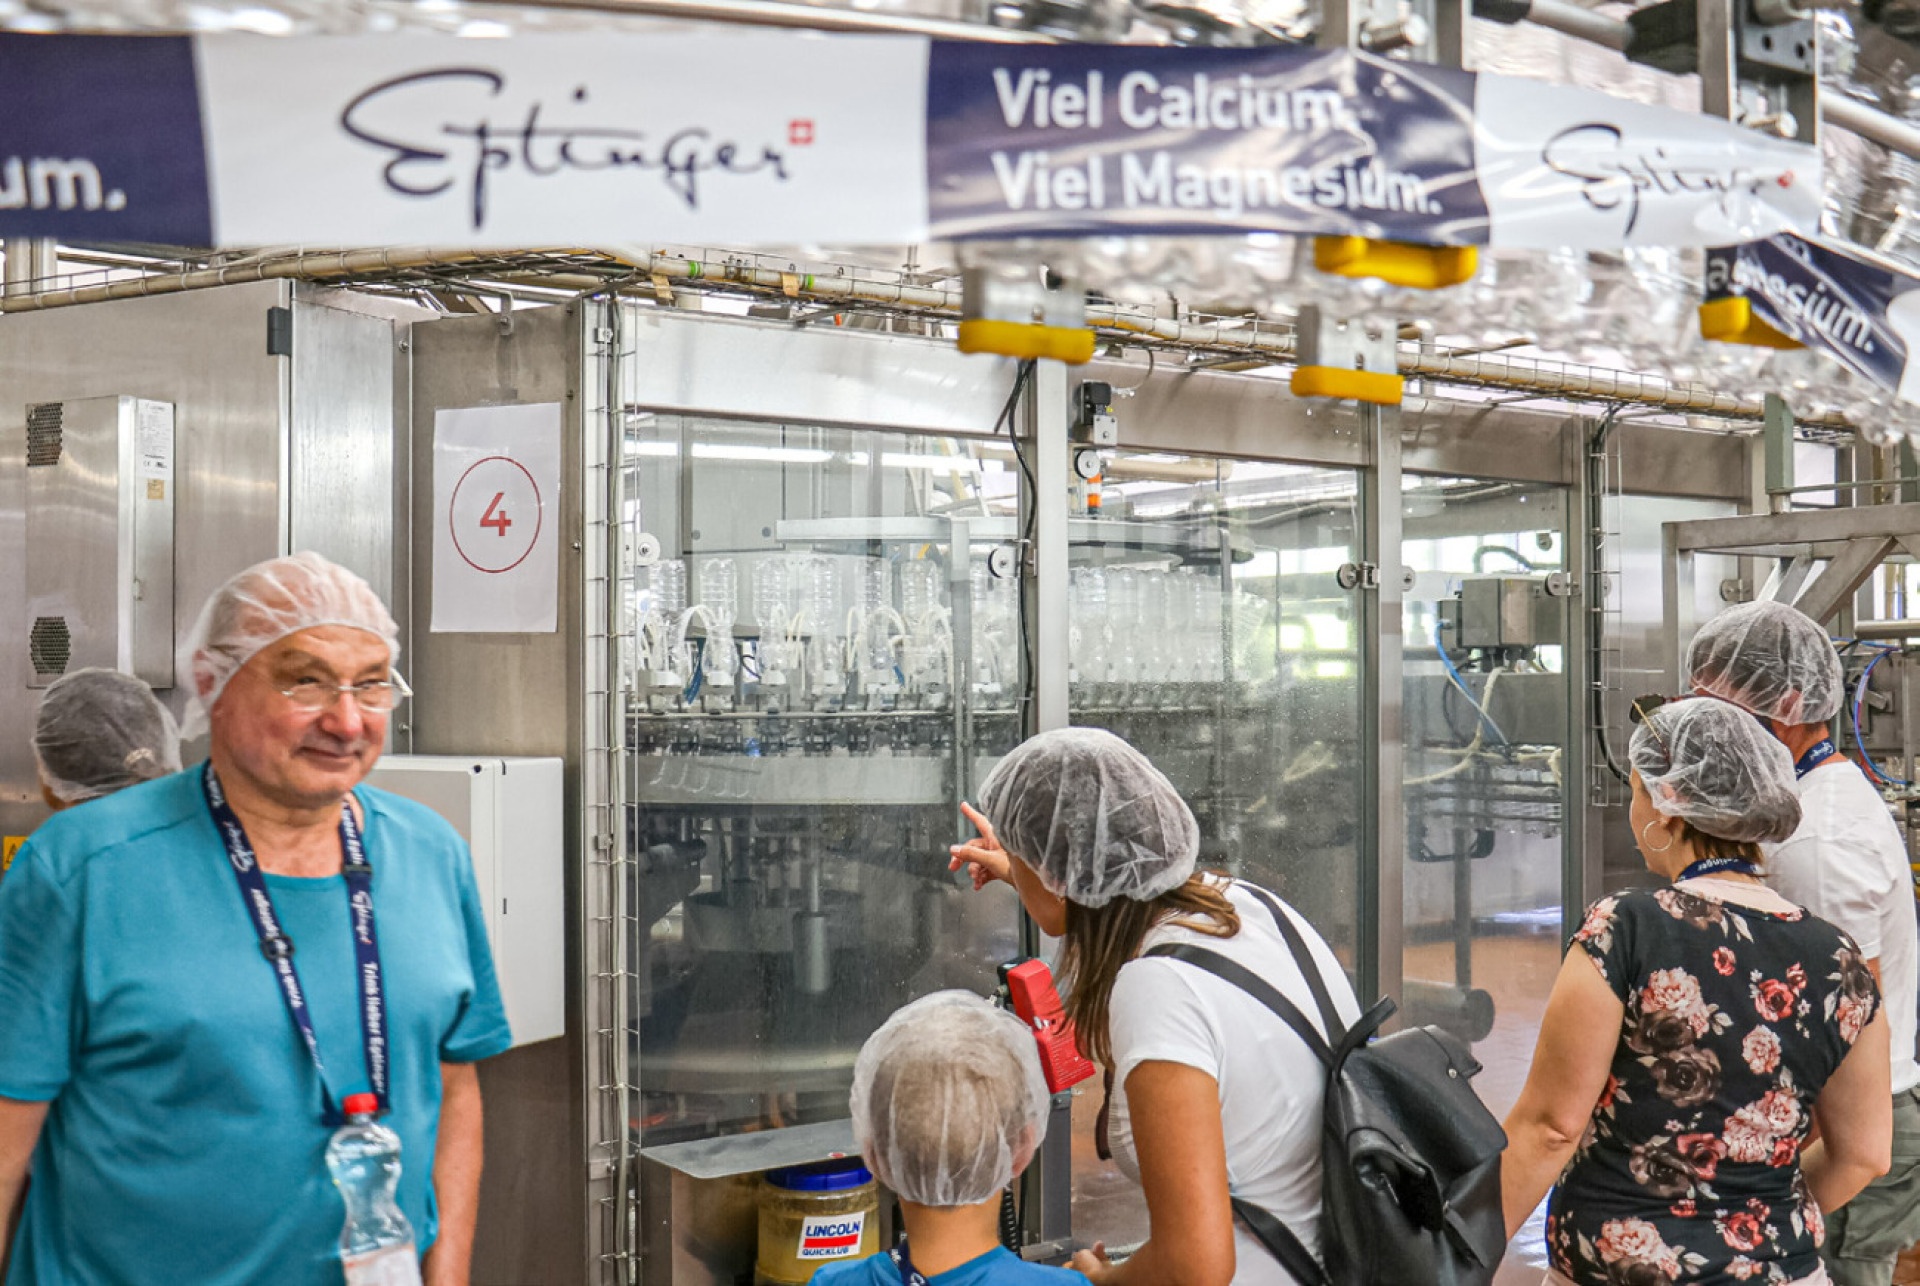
[1697,1036]
[1205,1083]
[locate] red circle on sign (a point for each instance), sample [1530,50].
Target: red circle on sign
[539,511]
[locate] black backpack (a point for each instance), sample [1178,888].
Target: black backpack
[1410,1161]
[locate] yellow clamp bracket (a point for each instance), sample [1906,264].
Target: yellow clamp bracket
[1376,387]
[1731,321]
[1071,345]
[1398,263]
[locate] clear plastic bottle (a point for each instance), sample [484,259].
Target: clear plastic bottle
[376,1244]
[719,595]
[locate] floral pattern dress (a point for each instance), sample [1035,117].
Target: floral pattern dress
[1690,1167]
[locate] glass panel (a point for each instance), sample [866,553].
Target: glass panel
[812,684]
[1486,704]
[1210,630]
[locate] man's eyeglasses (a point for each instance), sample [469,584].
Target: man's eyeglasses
[374,696]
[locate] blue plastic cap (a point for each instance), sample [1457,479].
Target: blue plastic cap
[825,1176]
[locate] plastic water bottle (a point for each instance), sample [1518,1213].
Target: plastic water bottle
[376,1245]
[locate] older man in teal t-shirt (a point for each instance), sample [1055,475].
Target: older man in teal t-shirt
[149,1065]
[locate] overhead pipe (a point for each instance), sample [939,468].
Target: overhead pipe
[1836,108]
[30,260]
[775,13]
[1268,342]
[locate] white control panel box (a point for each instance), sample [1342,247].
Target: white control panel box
[510,813]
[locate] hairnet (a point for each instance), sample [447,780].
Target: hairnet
[264,604]
[99,731]
[948,1099]
[1713,765]
[1092,817]
[1768,658]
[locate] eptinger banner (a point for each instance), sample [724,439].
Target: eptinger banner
[771,138]
[1863,314]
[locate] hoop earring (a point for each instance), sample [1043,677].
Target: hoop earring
[1648,846]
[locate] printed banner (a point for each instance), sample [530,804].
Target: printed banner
[1100,139]
[777,138]
[1563,166]
[100,140]
[1862,314]
[565,140]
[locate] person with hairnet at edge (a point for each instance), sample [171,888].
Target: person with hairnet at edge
[949,1105]
[1695,1036]
[1846,863]
[1210,1096]
[162,1085]
[99,731]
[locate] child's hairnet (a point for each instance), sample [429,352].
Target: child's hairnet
[99,731]
[1771,659]
[1713,765]
[949,1102]
[261,606]
[1092,817]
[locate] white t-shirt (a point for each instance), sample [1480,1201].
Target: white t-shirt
[1847,865]
[1272,1086]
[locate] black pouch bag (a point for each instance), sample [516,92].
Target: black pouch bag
[1410,1158]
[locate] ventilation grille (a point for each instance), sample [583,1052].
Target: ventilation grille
[44,433]
[50,645]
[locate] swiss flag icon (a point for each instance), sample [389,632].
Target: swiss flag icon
[800,133]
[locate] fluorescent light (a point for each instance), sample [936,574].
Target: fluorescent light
[651,448]
[782,455]
[935,463]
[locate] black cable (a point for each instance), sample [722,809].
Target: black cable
[1033,506]
[1009,1221]
[1596,588]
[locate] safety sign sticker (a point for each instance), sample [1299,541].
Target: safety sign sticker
[496,481]
[832,1236]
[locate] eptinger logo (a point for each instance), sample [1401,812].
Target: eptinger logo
[832,1236]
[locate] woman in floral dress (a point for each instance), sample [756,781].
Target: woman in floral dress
[1712,1071]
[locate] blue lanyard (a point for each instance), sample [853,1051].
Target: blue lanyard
[277,947]
[909,1275]
[1715,865]
[1817,754]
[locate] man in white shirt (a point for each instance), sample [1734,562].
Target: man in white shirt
[1848,865]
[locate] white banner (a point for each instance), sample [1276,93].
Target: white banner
[1562,166]
[565,140]
[496,536]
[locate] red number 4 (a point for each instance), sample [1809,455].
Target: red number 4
[495,517]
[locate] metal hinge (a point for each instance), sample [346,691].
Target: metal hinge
[279,332]
[1358,576]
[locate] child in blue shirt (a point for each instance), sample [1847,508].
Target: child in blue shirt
[949,1106]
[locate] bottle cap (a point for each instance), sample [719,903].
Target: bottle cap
[361,1105]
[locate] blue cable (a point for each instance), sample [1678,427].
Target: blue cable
[1460,683]
[1859,700]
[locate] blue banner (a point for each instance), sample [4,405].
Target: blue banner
[1104,139]
[1854,310]
[100,140]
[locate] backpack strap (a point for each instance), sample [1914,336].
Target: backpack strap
[1259,988]
[1309,968]
[1281,1244]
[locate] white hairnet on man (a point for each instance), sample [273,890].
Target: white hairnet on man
[261,606]
[1092,817]
[1714,767]
[1768,658]
[949,1102]
[99,731]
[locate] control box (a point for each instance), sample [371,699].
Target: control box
[510,813]
[1036,1002]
